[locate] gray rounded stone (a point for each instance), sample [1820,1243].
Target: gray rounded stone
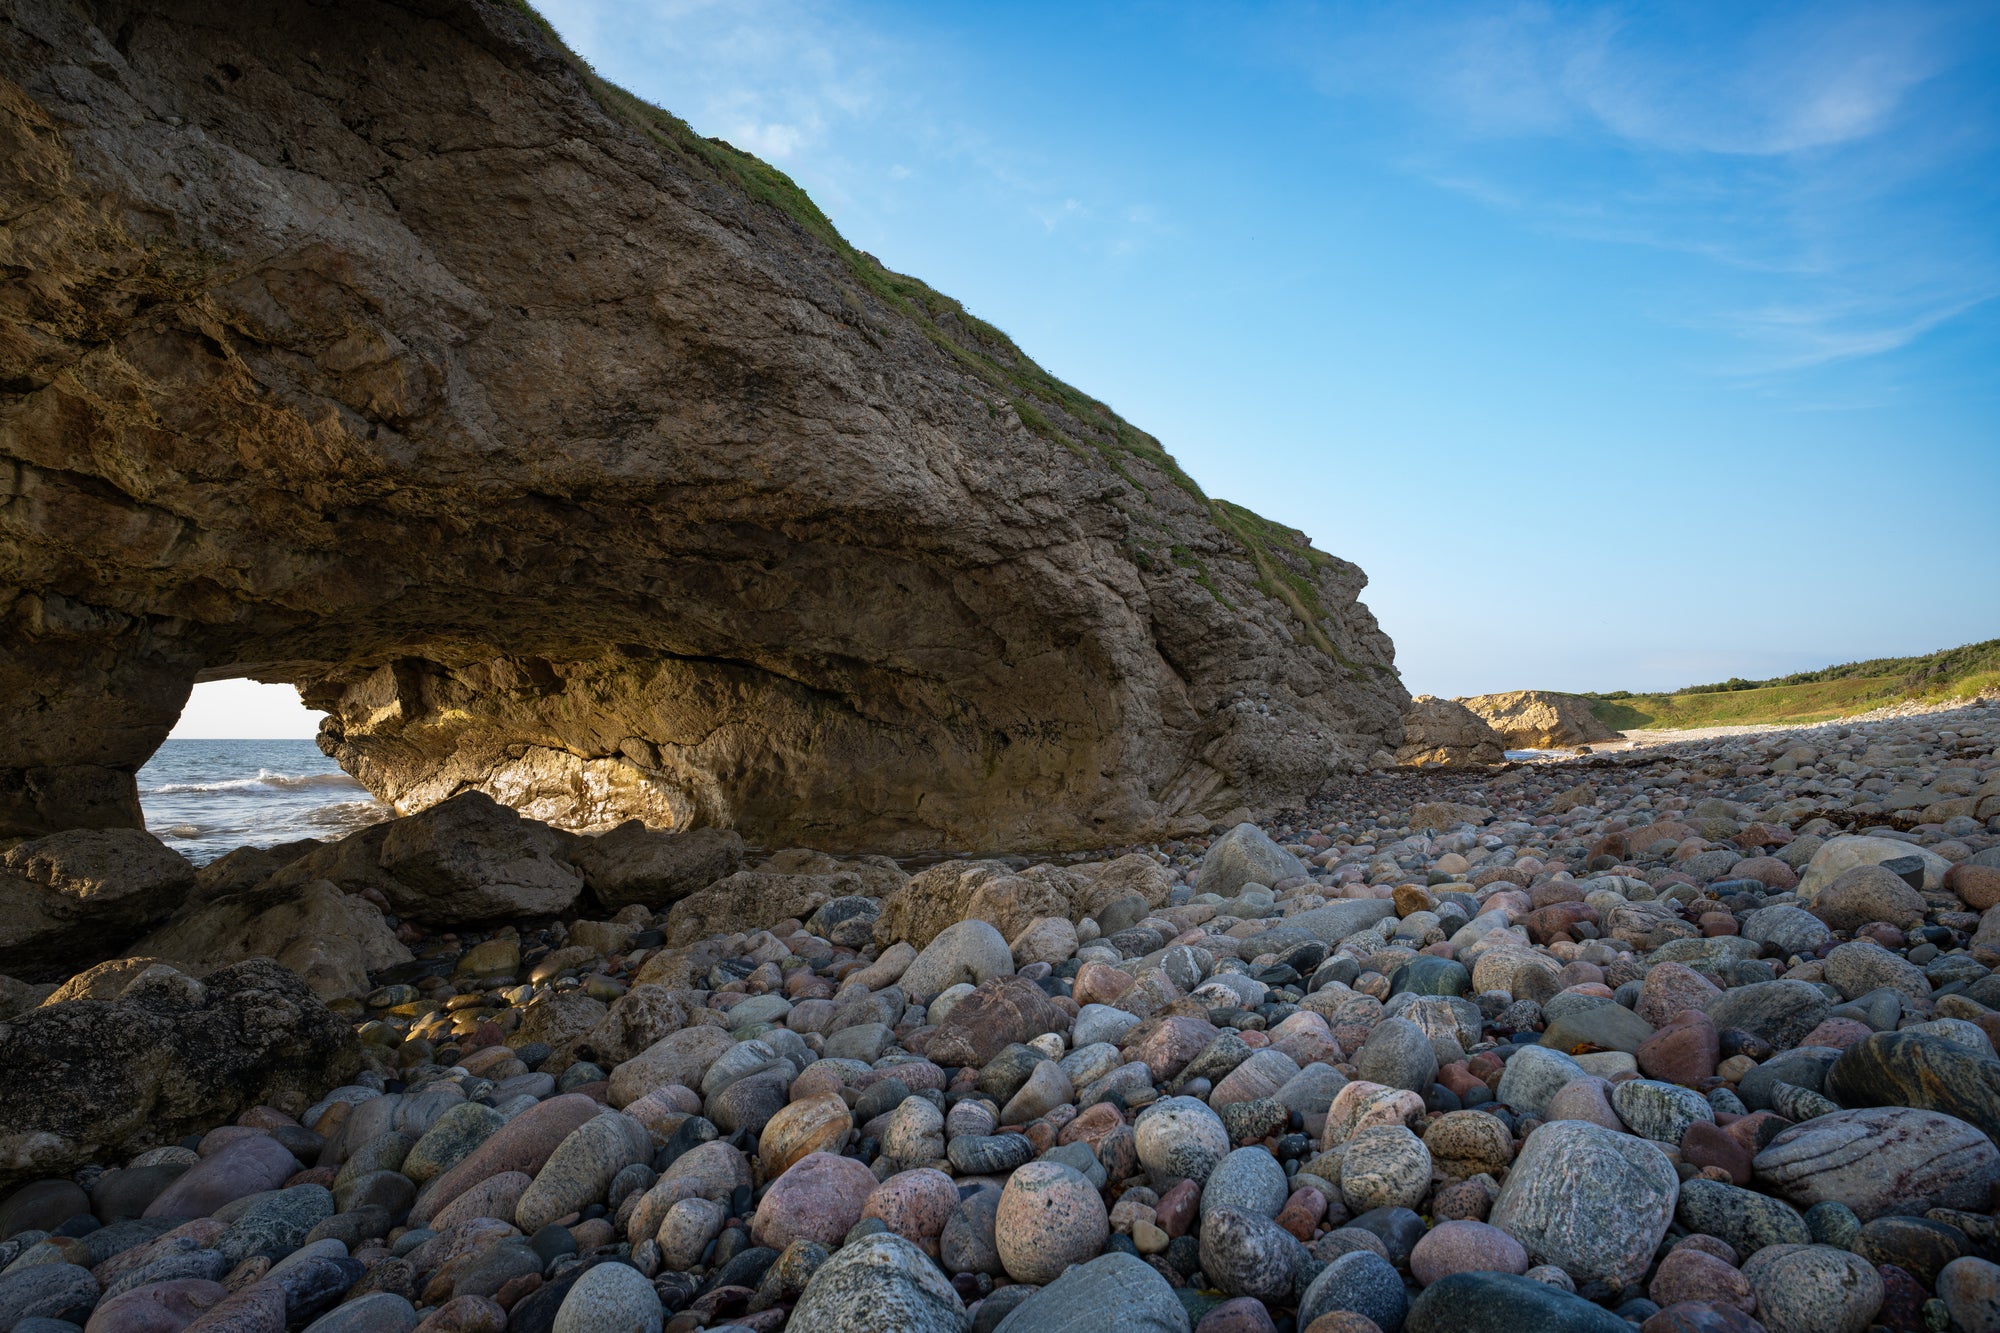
[581,1168]
[449,1140]
[610,1296]
[1533,1075]
[1180,1137]
[966,951]
[1781,1012]
[1813,1289]
[1249,1179]
[1398,1054]
[878,1282]
[1884,1159]
[377,1312]
[1361,1281]
[1504,1303]
[1787,929]
[1245,855]
[1589,1200]
[1247,1254]
[1749,1221]
[1385,1166]
[1111,1291]
[1659,1111]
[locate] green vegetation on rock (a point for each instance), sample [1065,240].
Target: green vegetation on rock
[1810,696]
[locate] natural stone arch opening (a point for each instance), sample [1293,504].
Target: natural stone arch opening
[362,348]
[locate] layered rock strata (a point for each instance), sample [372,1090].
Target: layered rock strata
[559,453]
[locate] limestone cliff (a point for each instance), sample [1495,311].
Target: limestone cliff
[555,451]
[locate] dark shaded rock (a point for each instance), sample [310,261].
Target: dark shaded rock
[1747,1220]
[1917,1069]
[1503,1303]
[97,1079]
[75,898]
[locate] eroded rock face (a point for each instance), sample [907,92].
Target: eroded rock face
[1539,719]
[1444,731]
[362,349]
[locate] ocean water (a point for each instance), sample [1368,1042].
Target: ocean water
[204,798]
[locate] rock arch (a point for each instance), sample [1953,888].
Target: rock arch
[378,349]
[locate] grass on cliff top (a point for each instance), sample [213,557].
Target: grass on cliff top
[1810,696]
[1045,405]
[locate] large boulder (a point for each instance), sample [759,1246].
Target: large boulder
[333,940]
[672,506]
[753,900]
[74,898]
[1442,731]
[1539,719]
[95,1080]
[1245,855]
[953,891]
[471,859]
[1837,856]
[634,864]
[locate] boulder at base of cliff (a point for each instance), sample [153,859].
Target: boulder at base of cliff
[93,1080]
[333,940]
[74,898]
[1442,731]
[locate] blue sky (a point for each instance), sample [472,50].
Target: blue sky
[1623,346]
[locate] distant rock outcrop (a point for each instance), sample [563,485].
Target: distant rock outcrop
[1444,731]
[559,453]
[1540,719]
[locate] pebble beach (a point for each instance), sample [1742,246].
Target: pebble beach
[1694,1039]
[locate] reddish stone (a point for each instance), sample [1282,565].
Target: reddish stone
[1580,973]
[1690,1275]
[1302,1212]
[1170,1044]
[1700,1317]
[1091,1125]
[1245,1314]
[247,1165]
[1902,1300]
[914,1204]
[1176,1208]
[1546,925]
[1683,1051]
[1487,1068]
[819,1199]
[999,1013]
[1670,989]
[1099,983]
[1839,1033]
[1714,924]
[1707,1145]
[1978,887]
[1883,934]
[522,1144]
[1459,1078]
[1766,870]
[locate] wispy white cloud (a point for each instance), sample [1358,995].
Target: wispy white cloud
[1798,146]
